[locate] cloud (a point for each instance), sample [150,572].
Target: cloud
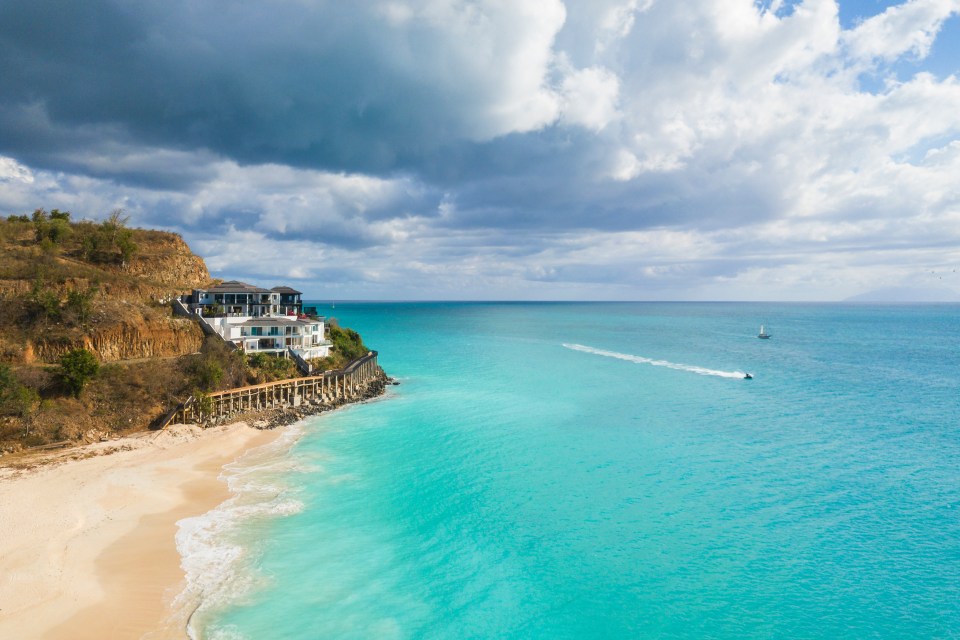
[590,97]
[364,86]
[13,171]
[619,148]
[909,28]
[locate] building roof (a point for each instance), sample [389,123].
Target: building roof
[235,286]
[286,290]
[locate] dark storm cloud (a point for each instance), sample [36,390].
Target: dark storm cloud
[329,86]
[486,144]
[320,85]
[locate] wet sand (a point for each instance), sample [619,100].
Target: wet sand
[87,546]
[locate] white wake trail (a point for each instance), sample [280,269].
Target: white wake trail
[656,363]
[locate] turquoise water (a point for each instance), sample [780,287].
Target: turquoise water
[604,471]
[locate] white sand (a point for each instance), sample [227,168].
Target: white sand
[87,546]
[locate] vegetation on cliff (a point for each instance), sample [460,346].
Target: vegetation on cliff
[99,286]
[347,346]
[89,346]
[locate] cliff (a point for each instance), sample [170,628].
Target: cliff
[55,297]
[105,288]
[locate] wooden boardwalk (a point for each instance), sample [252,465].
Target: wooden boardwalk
[330,387]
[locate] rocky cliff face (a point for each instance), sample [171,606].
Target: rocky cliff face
[129,315]
[168,262]
[153,338]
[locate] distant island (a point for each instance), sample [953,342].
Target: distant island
[91,347]
[907,294]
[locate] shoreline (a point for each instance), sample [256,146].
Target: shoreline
[87,546]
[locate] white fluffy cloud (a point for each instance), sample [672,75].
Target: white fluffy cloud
[590,97]
[495,53]
[525,148]
[902,29]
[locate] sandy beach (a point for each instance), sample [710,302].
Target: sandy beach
[87,547]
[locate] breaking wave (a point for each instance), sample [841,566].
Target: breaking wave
[212,553]
[703,371]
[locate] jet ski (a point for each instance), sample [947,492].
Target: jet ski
[747,376]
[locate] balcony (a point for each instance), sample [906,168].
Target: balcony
[262,345]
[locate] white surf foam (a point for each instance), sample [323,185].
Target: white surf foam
[703,371]
[211,554]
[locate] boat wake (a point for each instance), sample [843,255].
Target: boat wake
[657,363]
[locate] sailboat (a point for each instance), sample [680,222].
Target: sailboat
[763,334]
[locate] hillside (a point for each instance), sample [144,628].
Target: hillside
[89,346]
[103,287]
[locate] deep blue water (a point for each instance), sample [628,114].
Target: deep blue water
[604,471]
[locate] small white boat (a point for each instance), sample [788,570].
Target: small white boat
[763,334]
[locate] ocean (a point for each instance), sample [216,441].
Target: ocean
[595,470]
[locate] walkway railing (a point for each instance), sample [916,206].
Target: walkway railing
[305,367]
[334,386]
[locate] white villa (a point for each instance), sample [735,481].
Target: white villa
[260,320]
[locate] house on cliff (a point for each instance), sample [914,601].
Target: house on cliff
[259,320]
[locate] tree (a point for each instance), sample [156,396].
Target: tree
[22,401]
[93,242]
[115,223]
[51,229]
[204,404]
[40,224]
[272,367]
[126,245]
[77,368]
[111,241]
[7,381]
[15,398]
[58,230]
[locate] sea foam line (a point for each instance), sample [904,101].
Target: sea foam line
[210,554]
[656,363]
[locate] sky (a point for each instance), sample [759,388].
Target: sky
[503,149]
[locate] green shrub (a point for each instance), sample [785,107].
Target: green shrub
[59,230]
[216,367]
[270,367]
[15,398]
[22,401]
[77,368]
[79,305]
[109,242]
[204,403]
[51,229]
[206,374]
[347,343]
[40,224]
[46,303]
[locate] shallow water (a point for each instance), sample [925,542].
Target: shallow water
[604,471]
